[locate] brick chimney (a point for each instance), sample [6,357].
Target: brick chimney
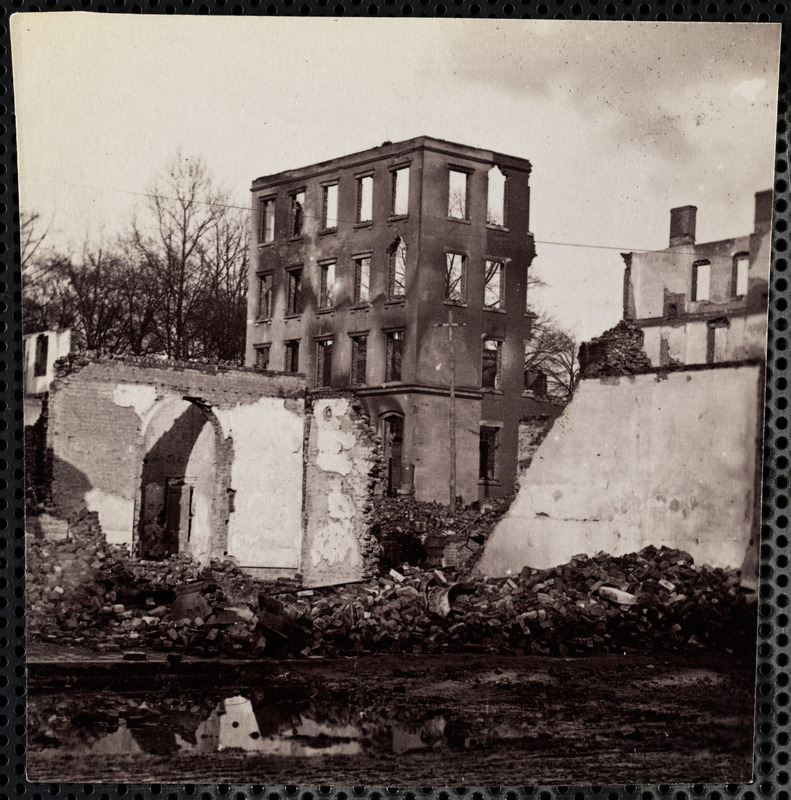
[682,225]
[763,211]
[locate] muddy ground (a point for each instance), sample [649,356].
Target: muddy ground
[450,720]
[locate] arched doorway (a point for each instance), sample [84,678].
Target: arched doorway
[179,487]
[393,445]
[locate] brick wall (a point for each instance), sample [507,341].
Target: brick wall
[212,461]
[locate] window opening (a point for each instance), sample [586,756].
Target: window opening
[362,279]
[292,356]
[457,194]
[397,276]
[297,213]
[487,465]
[327,287]
[330,207]
[324,363]
[268,220]
[262,356]
[359,360]
[42,352]
[294,305]
[493,286]
[490,367]
[495,203]
[701,278]
[400,193]
[455,277]
[741,268]
[395,349]
[265,283]
[365,198]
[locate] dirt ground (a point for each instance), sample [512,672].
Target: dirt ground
[455,720]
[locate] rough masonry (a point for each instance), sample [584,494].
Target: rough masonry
[210,461]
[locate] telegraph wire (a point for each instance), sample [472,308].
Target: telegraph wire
[46,269]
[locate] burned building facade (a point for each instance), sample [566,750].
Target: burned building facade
[359,267]
[702,303]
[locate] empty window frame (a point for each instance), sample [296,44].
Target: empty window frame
[327,285]
[455,277]
[41,355]
[365,198]
[294,293]
[262,352]
[741,268]
[487,463]
[701,280]
[324,362]
[297,213]
[393,353]
[291,361]
[359,359]
[267,220]
[495,200]
[490,363]
[458,191]
[399,203]
[329,213]
[494,283]
[362,280]
[396,283]
[265,285]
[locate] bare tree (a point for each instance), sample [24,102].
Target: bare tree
[172,241]
[175,286]
[223,310]
[552,353]
[97,301]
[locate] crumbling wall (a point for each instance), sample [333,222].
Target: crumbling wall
[342,461]
[653,459]
[234,435]
[281,488]
[618,351]
[532,431]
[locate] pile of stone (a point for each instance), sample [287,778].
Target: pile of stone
[424,534]
[618,351]
[85,592]
[651,599]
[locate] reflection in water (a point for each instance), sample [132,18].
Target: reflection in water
[285,727]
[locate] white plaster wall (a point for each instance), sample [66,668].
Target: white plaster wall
[637,461]
[333,551]
[265,529]
[651,343]
[201,473]
[116,514]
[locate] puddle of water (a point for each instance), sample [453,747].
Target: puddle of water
[236,723]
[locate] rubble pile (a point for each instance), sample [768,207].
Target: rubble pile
[654,598]
[618,351]
[83,591]
[423,534]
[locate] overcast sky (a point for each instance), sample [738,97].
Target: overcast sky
[621,121]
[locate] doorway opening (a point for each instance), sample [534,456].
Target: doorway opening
[393,442]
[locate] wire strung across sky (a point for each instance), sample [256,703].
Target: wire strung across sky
[45,269]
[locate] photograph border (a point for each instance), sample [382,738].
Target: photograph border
[771,763]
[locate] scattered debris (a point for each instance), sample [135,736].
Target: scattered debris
[84,591]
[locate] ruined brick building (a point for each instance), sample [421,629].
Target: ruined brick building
[357,266]
[702,303]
